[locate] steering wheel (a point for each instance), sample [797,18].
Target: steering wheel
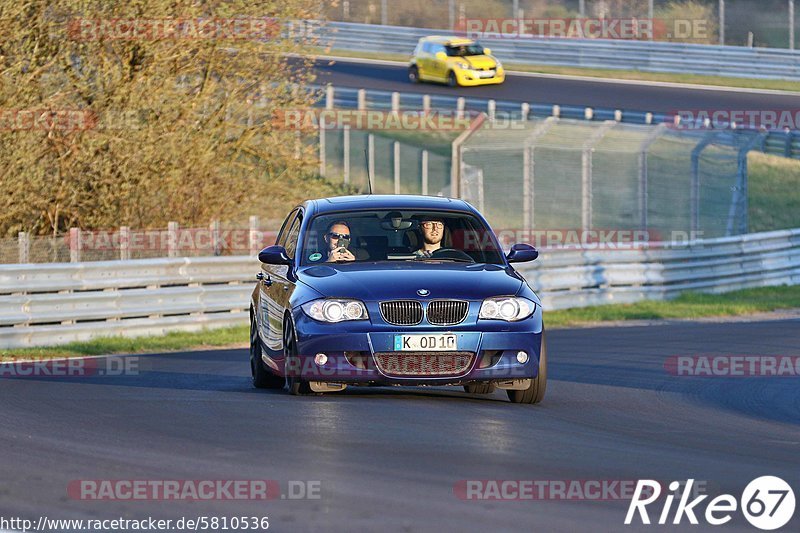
[451,253]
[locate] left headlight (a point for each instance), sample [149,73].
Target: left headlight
[506,308]
[497,64]
[335,310]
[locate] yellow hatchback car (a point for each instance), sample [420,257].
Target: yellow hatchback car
[454,61]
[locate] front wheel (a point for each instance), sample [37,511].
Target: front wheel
[262,378]
[296,385]
[413,74]
[534,393]
[452,81]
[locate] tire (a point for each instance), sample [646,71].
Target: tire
[479,388]
[413,74]
[262,377]
[452,81]
[296,385]
[534,393]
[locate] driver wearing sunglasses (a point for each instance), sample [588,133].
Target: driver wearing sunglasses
[338,239]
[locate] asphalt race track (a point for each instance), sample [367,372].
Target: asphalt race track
[546,90]
[388,459]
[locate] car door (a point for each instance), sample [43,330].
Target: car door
[424,59]
[438,66]
[285,280]
[270,314]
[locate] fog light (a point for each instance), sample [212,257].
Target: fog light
[320,359]
[522,357]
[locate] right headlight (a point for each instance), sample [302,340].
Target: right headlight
[508,308]
[461,64]
[335,310]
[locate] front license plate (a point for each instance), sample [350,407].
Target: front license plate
[425,343]
[487,74]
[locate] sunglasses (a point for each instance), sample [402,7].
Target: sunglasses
[334,235]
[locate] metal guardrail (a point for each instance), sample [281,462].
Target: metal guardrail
[59,303]
[731,61]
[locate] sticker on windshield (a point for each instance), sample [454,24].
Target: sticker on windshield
[315,257]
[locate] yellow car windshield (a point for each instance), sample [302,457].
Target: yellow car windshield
[464,50]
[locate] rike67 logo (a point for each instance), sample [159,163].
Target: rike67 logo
[767,503]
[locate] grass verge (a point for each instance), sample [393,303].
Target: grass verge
[688,305]
[634,75]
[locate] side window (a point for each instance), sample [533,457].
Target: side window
[427,48]
[438,48]
[285,229]
[292,236]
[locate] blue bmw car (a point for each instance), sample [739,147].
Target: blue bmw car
[395,290]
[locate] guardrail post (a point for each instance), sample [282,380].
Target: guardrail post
[124,243]
[362,100]
[172,239]
[426,103]
[491,109]
[371,161]
[556,111]
[396,161]
[525,110]
[216,241]
[648,118]
[24,244]
[346,152]
[395,102]
[424,172]
[588,113]
[253,237]
[618,115]
[329,97]
[74,245]
[460,105]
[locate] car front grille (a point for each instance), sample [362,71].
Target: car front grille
[424,364]
[447,312]
[402,312]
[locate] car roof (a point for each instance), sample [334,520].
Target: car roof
[387,201]
[451,40]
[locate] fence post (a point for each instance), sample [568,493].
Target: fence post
[791,25]
[424,172]
[457,155]
[586,174]
[124,243]
[172,239]
[643,174]
[74,245]
[346,152]
[362,100]
[491,109]
[253,237]
[24,244]
[216,242]
[322,147]
[722,22]
[395,102]
[460,104]
[396,161]
[426,103]
[371,161]
[529,172]
[694,192]
[525,110]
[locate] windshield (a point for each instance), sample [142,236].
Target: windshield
[465,50]
[403,235]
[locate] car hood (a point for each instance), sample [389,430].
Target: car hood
[401,280]
[479,61]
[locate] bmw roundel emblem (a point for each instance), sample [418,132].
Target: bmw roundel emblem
[423,292]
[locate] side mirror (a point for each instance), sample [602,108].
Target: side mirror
[487,51]
[441,56]
[522,253]
[274,255]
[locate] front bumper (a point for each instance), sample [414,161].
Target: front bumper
[470,78]
[350,349]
